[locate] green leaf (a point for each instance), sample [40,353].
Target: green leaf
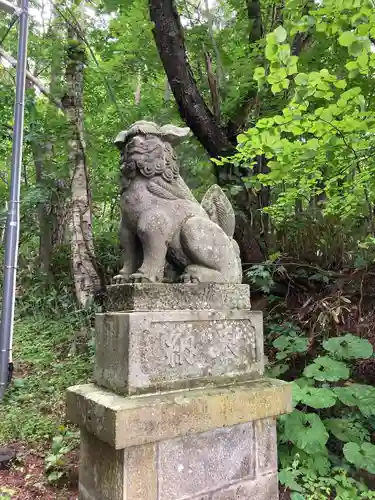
[325,368]
[54,476]
[347,430]
[57,443]
[297,496]
[316,397]
[306,431]
[277,370]
[360,395]
[259,73]
[347,38]
[302,79]
[280,34]
[362,456]
[291,344]
[288,478]
[242,139]
[349,347]
[319,397]
[346,396]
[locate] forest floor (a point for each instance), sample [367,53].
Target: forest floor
[32,415]
[53,354]
[25,477]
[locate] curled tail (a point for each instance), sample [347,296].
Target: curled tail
[219,209]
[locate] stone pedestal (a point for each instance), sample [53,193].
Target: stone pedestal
[179,409]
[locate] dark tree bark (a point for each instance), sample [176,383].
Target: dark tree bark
[255,20]
[194,111]
[216,139]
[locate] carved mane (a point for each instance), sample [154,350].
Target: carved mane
[155,159]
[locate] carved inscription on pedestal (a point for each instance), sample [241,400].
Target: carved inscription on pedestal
[225,340]
[180,349]
[197,344]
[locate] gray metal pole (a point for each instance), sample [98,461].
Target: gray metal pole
[13,221]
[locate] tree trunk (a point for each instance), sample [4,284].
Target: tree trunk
[169,40]
[45,239]
[217,141]
[45,242]
[82,248]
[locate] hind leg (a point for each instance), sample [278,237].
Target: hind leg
[200,274]
[213,255]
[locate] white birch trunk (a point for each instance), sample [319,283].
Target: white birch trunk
[80,224]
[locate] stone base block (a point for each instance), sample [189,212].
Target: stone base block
[201,444]
[123,422]
[233,463]
[166,297]
[140,352]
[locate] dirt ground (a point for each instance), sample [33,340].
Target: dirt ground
[24,478]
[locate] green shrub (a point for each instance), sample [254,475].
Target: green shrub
[329,429]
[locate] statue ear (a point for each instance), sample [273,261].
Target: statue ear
[174,135]
[120,139]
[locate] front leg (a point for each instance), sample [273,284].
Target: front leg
[154,234]
[131,251]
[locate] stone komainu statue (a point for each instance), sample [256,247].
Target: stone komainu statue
[162,222]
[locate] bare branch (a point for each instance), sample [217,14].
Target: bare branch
[34,80]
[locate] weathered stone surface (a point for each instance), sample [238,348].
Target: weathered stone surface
[162,296]
[101,470]
[214,465]
[141,472]
[263,488]
[266,442]
[123,422]
[109,474]
[161,220]
[207,461]
[143,352]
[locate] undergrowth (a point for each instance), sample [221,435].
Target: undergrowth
[326,445]
[48,358]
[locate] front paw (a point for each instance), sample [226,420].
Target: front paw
[120,279]
[189,278]
[141,278]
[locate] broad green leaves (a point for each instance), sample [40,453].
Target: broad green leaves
[362,456]
[346,430]
[359,395]
[325,368]
[289,344]
[347,38]
[306,431]
[315,397]
[327,406]
[330,104]
[349,347]
[280,34]
[288,478]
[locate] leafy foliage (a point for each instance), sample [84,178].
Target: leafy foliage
[348,347]
[34,406]
[62,444]
[325,368]
[362,456]
[323,430]
[319,147]
[302,93]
